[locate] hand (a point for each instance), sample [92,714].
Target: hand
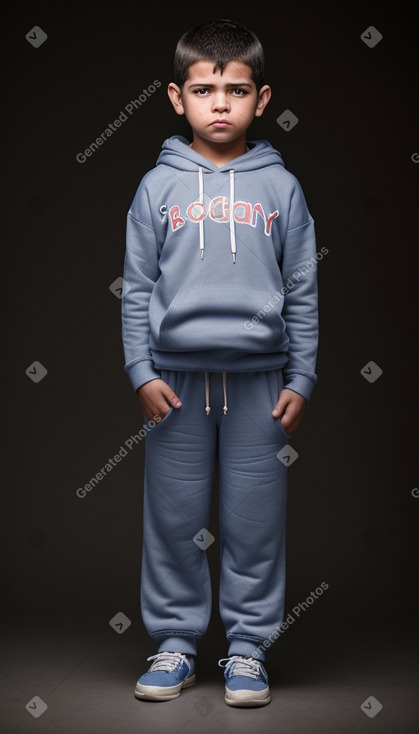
[156,398]
[291,406]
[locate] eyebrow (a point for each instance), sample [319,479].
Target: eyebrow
[228,84]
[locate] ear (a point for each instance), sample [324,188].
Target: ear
[175,97]
[263,99]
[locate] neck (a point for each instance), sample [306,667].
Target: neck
[219,153]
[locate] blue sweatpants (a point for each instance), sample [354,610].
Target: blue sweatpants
[180,454]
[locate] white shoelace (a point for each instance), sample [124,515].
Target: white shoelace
[242,666]
[168,661]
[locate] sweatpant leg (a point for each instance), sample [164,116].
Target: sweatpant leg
[179,468]
[252,512]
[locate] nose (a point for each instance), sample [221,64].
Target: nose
[220,102]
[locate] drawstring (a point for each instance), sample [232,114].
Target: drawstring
[232,232]
[201,222]
[233,246]
[207,409]
[225,408]
[207,391]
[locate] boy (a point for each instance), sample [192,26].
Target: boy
[220,332]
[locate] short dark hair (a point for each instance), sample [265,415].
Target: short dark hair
[220,41]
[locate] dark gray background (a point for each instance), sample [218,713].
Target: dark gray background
[71,564]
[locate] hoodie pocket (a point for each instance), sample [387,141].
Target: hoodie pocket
[222,317]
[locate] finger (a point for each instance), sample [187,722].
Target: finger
[279,408]
[284,401]
[172,398]
[161,407]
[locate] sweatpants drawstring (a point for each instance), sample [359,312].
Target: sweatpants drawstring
[207,393]
[207,409]
[225,408]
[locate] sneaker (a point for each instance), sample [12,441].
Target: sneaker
[246,681]
[167,675]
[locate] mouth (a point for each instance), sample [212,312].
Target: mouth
[220,124]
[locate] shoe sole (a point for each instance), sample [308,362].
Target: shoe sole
[242,698]
[163,693]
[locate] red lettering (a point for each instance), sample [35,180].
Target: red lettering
[176,220]
[243,212]
[258,209]
[196,211]
[271,218]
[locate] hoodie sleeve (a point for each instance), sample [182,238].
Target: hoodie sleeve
[141,272]
[300,309]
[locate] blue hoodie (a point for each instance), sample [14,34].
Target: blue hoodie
[220,269]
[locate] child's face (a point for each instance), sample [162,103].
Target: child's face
[219,107]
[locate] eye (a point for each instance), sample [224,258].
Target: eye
[239,92]
[201,92]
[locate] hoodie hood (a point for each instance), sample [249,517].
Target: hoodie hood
[177,153]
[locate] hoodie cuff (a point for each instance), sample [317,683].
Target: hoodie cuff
[301,384]
[142,372]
